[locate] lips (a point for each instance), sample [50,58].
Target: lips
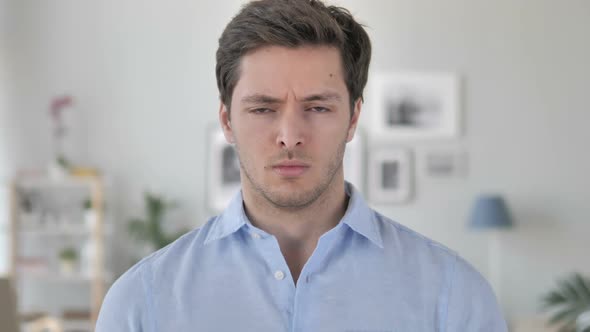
[290,169]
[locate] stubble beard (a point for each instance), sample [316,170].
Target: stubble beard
[296,200]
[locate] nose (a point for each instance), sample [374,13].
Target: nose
[291,131]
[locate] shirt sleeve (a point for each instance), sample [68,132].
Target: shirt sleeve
[125,307]
[472,305]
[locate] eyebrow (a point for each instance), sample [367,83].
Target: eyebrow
[265,99]
[260,99]
[327,96]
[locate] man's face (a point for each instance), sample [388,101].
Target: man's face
[290,121]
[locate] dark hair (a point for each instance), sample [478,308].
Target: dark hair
[293,23]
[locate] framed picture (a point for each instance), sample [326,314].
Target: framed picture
[416,105]
[354,161]
[390,176]
[223,171]
[447,163]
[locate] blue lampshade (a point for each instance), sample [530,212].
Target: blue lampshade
[490,211]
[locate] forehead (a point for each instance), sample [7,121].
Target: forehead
[281,71]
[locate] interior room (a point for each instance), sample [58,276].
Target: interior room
[474,133]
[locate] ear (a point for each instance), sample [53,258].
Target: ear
[224,121]
[354,120]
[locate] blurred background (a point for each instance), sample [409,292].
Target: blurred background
[127,89]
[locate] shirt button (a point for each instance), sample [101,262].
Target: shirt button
[279,275]
[255,235]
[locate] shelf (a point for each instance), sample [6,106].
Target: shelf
[57,277]
[67,182]
[77,325]
[68,324]
[44,212]
[51,183]
[64,231]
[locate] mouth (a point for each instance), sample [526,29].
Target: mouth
[290,169]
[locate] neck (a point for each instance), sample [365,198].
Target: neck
[299,223]
[297,229]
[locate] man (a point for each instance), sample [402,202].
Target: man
[297,249]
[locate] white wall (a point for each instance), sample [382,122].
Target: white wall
[143,73]
[5,131]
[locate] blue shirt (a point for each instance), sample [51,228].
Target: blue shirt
[367,274]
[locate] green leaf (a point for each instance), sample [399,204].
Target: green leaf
[137,229]
[553,298]
[568,302]
[582,287]
[150,229]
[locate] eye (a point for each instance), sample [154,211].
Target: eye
[318,109]
[261,110]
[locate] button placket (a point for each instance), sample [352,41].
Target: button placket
[283,289]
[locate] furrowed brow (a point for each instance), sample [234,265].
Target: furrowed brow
[328,96]
[260,99]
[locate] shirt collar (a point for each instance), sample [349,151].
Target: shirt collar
[230,221]
[359,217]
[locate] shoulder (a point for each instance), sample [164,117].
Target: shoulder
[402,239]
[467,302]
[187,247]
[471,303]
[125,305]
[128,302]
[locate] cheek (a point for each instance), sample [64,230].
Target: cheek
[252,144]
[255,140]
[247,128]
[332,130]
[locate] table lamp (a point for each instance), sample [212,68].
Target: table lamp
[491,214]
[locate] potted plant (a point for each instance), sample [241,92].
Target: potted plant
[569,304]
[67,260]
[89,214]
[59,169]
[149,231]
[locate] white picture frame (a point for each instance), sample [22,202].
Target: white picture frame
[390,175]
[415,106]
[223,171]
[354,160]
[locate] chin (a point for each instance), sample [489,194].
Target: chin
[292,201]
[293,194]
